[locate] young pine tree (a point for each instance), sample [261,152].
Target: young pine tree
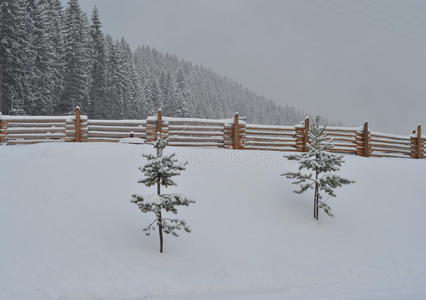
[158,172]
[319,163]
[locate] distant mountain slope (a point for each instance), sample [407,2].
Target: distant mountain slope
[211,95]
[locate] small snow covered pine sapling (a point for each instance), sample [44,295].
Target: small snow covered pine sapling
[159,170]
[318,163]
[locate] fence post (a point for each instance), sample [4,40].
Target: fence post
[77,124]
[420,146]
[417,143]
[236,144]
[159,122]
[3,131]
[365,142]
[306,134]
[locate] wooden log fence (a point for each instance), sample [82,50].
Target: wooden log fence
[233,133]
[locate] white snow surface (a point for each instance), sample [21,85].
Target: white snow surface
[133,140]
[69,231]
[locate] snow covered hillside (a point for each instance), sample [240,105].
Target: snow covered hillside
[69,231]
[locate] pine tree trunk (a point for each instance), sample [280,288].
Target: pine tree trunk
[160,220]
[160,231]
[316,202]
[316,197]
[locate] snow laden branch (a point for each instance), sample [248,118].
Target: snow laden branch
[166,202]
[163,168]
[315,167]
[159,170]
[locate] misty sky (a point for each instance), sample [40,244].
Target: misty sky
[346,60]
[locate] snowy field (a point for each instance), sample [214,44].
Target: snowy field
[69,231]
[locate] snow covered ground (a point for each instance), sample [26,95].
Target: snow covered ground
[69,231]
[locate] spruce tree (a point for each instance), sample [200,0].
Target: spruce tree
[115,80]
[152,97]
[43,64]
[181,97]
[319,163]
[159,170]
[14,56]
[131,91]
[77,60]
[166,94]
[97,104]
[56,16]
[30,68]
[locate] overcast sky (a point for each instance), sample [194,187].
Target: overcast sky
[349,60]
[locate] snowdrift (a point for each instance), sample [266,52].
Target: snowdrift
[69,231]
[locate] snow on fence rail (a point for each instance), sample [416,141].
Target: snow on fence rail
[16,130]
[233,133]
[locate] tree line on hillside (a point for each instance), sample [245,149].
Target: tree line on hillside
[55,58]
